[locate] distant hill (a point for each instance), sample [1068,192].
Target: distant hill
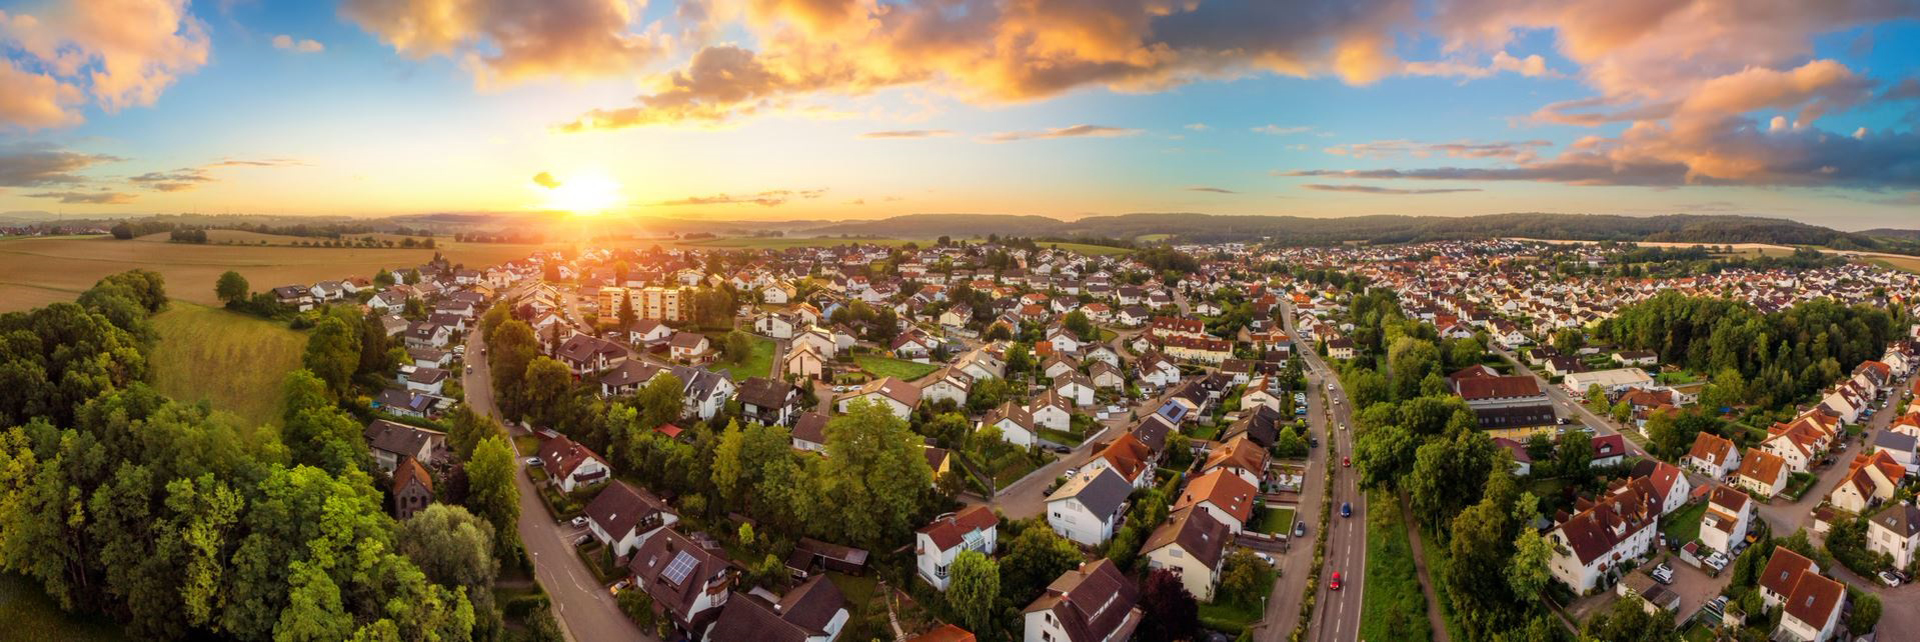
[1893,233]
[1295,230]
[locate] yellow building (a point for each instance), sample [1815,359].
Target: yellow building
[658,303]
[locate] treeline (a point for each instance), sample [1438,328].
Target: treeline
[125,230]
[517,237]
[1768,360]
[182,523]
[188,236]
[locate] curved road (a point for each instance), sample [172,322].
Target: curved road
[585,610]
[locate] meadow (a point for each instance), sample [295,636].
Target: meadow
[29,614]
[234,361]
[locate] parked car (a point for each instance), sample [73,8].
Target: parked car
[1662,574]
[1346,462]
[469,369]
[1717,561]
[1061,449]
[535,461]
[579,521]
[1266,558]
[1071,471]
[1346,509]
[1299,529]
[1889,579]
[1335,584]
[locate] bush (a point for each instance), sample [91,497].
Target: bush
[520,606]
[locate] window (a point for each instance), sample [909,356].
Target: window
[1175,552]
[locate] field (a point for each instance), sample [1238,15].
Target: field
[1093,250]
[784,242]
[36,271]
[234,361]
[757,364]
[1904,263]
[30,615]
[1393,608]
[901,369]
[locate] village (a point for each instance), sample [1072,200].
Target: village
[1107,436]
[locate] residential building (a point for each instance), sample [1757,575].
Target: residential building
[814,611]
[623,516]
[974,528]
[1605,534]
[1094,603]
[1193,545]
[1763,473]
[1896,532]
[1713,456]
[571,465]
[899,397]
[1087,508]
[1812,611]
[391,442]
[1222,494]
[687,581]
[1729,513]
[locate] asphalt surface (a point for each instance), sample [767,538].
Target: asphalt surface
[585,609]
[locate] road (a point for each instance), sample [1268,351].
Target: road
[1786,517]
[585,609]
[1337,613]
[1602,426]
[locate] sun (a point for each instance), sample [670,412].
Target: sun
[584,195]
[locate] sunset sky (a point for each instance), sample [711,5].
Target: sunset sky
[781,109]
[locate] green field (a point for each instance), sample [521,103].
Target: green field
[901,369]
[1083,248]
[29,614]
[757,364]
[1684,524]
[1392,608]
[235,361]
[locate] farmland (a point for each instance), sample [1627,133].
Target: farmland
[234,361]
[37,271]
[783,242]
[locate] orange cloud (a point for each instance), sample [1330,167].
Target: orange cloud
[297,45]
[505,41]
[1075,131]
[125,53]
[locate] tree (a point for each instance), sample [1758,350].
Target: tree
[1078,323]
[1289,444]
[1477,579]
[544,390]
[454,548]
[1573,455]
[1384,455]
[1170,611]
[510,347]
[737,346]
[876,475]
[1528,573]
[491,493]
[469,427]
[1628,621]
[232,288]
[1866,612]
[1569,340]
[973,589]
[333,353]
[383,278]
[1034,558]
[1240,577]
[1449,473]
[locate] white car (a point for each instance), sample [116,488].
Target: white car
[579,521]
[535,461]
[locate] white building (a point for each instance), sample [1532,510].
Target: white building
[974,528]
[1088,507]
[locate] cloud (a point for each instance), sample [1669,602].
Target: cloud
[39,165]
[1216,190]
[1369,189]
[546,180]
[1199,127]
[187,178]
[87,198]
[507,41]
[289,43]
[1531,66]
[997,51]
[121,53]
[1509,150]
[769,198]
[1075,131]
[909,133]
[1276,130]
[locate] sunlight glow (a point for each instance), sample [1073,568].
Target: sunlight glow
[589,194]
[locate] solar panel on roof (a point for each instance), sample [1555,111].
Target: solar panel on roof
[681,567]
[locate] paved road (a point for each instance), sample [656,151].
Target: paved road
[1567,405]
[585,609]
[1028,496]
[1786,517]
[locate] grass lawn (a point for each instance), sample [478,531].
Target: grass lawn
[233,360]
[757,364]
[1684,524]
[1798,485]
[1274,520]
[901,369]
[784,242]
[1392,608]
[1204,432]
[30,615]
[526,444]
[1231,618]
[1061,437]
[1013,472]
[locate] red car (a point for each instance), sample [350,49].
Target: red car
[1346,462]
[1336,581]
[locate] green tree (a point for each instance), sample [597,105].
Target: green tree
[545,389]
[1240,577]
[876,475]
[1628,620]
[510,348]
[333,353]
[1573,455]
[1528,573]
[1034,558]
[468,428]
[491,493]
[973,589]
[383,278]
[231,288]
[1078,323]
[1449,474]
[1866,612]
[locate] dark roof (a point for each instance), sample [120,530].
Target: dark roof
[1903,520]
[621,507]
[688,340]
[803,613]
[1482,388]
[1196,531]
[764,392]
[1102,491]
[812,426]
[630,372]
[398,438]
[1093,602]
[675,571]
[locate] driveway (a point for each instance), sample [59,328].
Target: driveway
[585,609]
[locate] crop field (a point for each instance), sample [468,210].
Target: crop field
[36,271]
[784,242]
[234,361]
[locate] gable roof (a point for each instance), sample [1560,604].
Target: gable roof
[1814,599]
[399,438]
[1784,570]
[1902,520]
[1197,533]
[1760,465]
[905,393]
[802,613]
[948,531]
[1093,602]
[1712,449]
[811,427]
[675,571]
[1599,528]
[1101,491]
[1227,491]
[621,508]
[1509,387]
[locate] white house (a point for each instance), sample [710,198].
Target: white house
[1075,386]
[1729,513]
[1612,532]
[1222,494]
[1088,507]
[1094,603]
[571,465]
[1812,610]
[974,528]
[1896,532]
[1193,544]
[897,396]
[623,517]
[1713,456]
[1015,424]
[1763,473]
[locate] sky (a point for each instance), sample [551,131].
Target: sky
[851,109]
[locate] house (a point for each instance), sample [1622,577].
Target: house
[1610,381]
[1094,603]
[622,517]
[814,611]
[412,488]
[1870,479]
[777,325]
[425,334]
[1783,571]
[1666,481]
[1088,507]
[1637,358]
[585,354]
[1729,513]
[1608,533]
[1609,450]
[1506,402]
[1340,348]
[1713,456]
[704,392]
[295,296]
[648,332]
[912,345]
[1812,610]
[406,403]
[1193,545]
[1763,473]
[391,442]
[1241,457]
[628,377]
[688,346]
[1522,461]
[823,341]
[1014,422]
[571,465]
[974,528]
[688,582]
[899,397]
[1075,386]
[1105,375]
[768,401]
[1129,457]
[1224,495]
[1896,532]
[1897,445]
[803,360]
[950,384]
[430,381]
[810,432]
